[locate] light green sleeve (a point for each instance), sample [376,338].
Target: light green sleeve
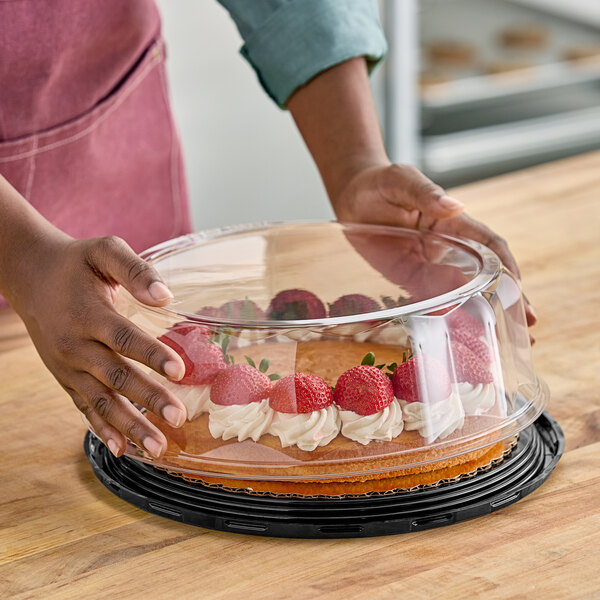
[288,42]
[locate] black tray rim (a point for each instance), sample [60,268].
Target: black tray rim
[536,455]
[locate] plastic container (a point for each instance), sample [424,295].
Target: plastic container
[327,352]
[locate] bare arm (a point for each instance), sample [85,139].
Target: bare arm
[336,117]
[64,290]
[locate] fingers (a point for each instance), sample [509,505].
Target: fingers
[470,228]
[113,258]
[122,336]
[126,379]
[112,438]
[113,417]
[530,314]
[406,186]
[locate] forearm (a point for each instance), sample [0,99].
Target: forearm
[336,116]
[22,228]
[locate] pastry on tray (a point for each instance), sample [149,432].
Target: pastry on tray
[525,37]
[451,53]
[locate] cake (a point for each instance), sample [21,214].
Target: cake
[333,413]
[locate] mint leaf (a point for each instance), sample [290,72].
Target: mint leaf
[263,367]
[250,361]
[274,377]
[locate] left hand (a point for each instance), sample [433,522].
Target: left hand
[402,196]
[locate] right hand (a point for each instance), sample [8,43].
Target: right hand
[66,294]
[400,195]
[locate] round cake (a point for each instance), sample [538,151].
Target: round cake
[340,466]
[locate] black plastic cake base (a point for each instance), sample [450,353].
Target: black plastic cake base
[538,450]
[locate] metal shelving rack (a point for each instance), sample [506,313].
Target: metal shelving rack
[479,125]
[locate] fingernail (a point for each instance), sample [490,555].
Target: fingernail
[159,291]
[152,446]
[174,370]
[451,203]
[113,447]
[530,316]
[532,311]
[173,416]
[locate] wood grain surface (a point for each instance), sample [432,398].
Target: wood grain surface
[63,535]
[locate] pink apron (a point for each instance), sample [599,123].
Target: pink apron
[86,132]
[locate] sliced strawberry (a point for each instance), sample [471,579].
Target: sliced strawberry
[296,304]
[246,310]
[467,367]
[202,359]
[421,379]
[353,304]
[300,393]
[240,384]
[461,319]
[475,345]
[364,390]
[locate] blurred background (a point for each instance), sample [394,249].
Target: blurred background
[470,89]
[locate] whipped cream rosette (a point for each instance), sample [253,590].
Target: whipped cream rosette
[195,398]
[368,410]
[238,406]
[303,412]
[435,420]
[429,404]
[473,381]
[476,398]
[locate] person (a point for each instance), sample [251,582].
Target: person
[91,172]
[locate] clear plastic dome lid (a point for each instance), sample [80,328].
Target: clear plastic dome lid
[327,351]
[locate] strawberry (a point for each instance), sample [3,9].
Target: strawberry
[185,327]
[202,359]
[245,310]
[364,390]
[211,311]
[240,384]
[421,379]
[475,345]
[467,367]
[461,319]
[300,393]
[353,304]
[296,304]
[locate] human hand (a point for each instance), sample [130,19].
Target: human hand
[402,196]
[65,291]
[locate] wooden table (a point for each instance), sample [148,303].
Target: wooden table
[65,536]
